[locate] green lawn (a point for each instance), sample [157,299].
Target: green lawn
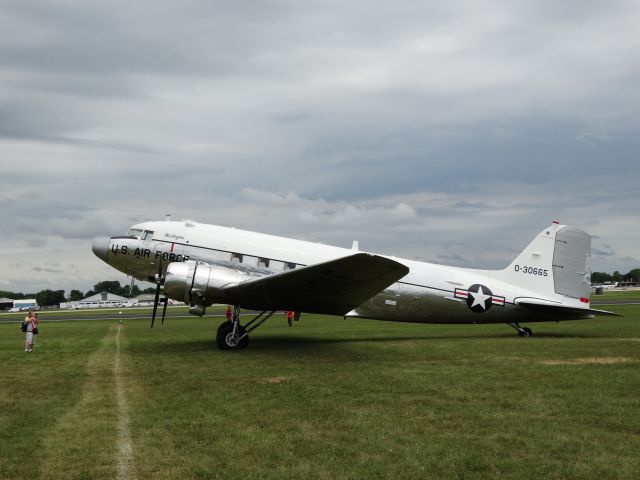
[617,295]
[327,398]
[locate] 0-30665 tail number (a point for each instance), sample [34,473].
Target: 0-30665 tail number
[532,270]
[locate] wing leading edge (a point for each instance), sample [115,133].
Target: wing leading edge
[334,287]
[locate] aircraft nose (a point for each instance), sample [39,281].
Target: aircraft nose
[100,247]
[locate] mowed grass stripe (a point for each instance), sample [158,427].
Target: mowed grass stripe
[82,442]
[125,464]
[38,388]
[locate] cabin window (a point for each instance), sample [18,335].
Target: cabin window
[263,262]
[249,260]
[276,265]
[236,258]
[289,265]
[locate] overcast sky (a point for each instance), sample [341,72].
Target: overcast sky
[445,131]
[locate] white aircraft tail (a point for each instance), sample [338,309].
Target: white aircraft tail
[557,262]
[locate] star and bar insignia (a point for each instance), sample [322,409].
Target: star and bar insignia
[479,298]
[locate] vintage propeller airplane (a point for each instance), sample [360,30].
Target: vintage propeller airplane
[202,264]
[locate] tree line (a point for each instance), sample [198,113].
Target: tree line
[601,277]
[49,298]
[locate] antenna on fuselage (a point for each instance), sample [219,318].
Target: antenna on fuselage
[167,217]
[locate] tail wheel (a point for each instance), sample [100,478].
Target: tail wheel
[522,331]
[525,332]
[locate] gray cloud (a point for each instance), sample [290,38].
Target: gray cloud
[604,251]
[405,126]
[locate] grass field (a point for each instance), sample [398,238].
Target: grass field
[327,398]
[617,295]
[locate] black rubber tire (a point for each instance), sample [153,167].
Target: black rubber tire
[529,331]
[224,330]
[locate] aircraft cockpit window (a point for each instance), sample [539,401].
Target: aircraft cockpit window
[236,257]
[134,232]
[147,235]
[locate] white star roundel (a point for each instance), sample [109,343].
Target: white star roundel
[479,299]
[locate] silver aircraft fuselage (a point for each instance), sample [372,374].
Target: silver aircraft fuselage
[429,293]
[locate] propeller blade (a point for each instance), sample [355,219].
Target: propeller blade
[157,297]
[164,308]
[155,304]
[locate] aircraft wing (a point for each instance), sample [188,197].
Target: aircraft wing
[334,287]
[549,307]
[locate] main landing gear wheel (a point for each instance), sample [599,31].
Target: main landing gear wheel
[226,340]
[233,336]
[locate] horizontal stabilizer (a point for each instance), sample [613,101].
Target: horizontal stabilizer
[334,287]
[547,307]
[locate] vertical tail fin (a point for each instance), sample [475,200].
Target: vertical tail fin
[557,261]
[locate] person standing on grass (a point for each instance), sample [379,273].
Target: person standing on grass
[30,320]
[290,315]
[229,313]
[35,330]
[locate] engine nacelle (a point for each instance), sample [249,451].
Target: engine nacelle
[198,284]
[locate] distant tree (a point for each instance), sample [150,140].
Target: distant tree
[617,276]
[12,295]
[48,298]
[135,291]
[75,295]
[633,275]
[90,293]
[600,277]
[151,290]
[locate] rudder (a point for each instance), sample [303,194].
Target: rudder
[572,263]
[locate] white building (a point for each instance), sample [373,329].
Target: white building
[101,300]
[147,299]
[24,304]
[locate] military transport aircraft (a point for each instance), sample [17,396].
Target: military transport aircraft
[202,264]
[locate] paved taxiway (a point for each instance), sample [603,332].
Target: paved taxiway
[104,316]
